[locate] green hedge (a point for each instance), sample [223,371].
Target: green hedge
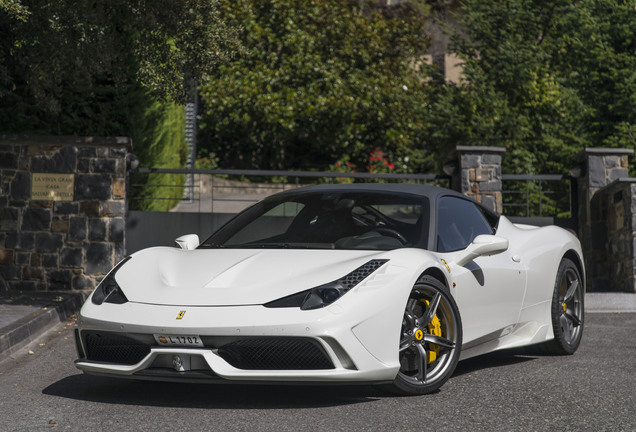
[159,142]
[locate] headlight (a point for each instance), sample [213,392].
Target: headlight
[108,290]
[326,294]
[323,295]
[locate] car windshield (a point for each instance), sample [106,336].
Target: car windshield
[329,220]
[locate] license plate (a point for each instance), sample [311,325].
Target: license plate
[181,340]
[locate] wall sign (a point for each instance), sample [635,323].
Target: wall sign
[52,187]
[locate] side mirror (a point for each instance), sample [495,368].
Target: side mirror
[483,245]
[188,241]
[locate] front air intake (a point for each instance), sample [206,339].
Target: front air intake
[280,353]
[114,348]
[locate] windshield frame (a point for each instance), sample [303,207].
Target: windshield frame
[326,201]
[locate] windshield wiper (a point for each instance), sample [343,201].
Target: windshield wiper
[210,246]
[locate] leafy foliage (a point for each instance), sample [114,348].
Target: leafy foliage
[322,80]
[544,79]
[161,129]
[14,8]
[179,41]
[79,67]
[71,56]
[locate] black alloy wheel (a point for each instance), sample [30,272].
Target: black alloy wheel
[430,340]
[567,309]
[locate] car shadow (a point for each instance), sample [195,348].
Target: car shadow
[492,360]
[223,396]
[244,396]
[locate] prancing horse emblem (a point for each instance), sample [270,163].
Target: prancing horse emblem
[181,314]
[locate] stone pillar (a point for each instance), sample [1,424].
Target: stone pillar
[610,257]
[478,174]
[62,210]
[595,169]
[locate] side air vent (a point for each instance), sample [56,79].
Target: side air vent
[342,285]
[359,274]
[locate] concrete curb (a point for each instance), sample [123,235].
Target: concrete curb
[24,317]
[610,302]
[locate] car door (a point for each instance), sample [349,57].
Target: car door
[488,290]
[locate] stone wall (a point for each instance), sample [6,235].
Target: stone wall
[52,244]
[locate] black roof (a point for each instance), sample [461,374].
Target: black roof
[431,192]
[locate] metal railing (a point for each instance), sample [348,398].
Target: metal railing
[536,195]
[231,190]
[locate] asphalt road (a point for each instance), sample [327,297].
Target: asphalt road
[593,390]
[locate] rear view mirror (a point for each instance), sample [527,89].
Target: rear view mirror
[482,245]
[188,241]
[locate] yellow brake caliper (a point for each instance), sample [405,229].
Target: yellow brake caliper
[434,328]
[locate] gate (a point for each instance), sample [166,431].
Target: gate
[540,199]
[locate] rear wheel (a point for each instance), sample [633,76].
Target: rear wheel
[567,310]
[430,340]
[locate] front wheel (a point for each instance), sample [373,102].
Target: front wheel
[430,340]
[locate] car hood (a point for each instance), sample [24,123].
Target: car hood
[229,277]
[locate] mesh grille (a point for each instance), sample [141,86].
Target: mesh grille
[275,354]
[356,276]
[115,348]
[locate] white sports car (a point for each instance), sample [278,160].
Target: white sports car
[376,283]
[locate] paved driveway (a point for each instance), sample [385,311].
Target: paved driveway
[592,390]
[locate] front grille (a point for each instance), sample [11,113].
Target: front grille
[259,353]
[114,348]
[281,353]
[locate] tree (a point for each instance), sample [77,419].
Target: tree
[77,66]
[181,40]
[323,81]
[544,79]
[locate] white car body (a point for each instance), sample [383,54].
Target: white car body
[221,293]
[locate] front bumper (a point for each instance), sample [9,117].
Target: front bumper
[351,344]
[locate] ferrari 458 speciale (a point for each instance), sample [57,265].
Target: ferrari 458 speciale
[387,284]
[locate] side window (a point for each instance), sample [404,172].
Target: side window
[459,221]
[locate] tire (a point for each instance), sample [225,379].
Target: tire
[430,340]
[567,310]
